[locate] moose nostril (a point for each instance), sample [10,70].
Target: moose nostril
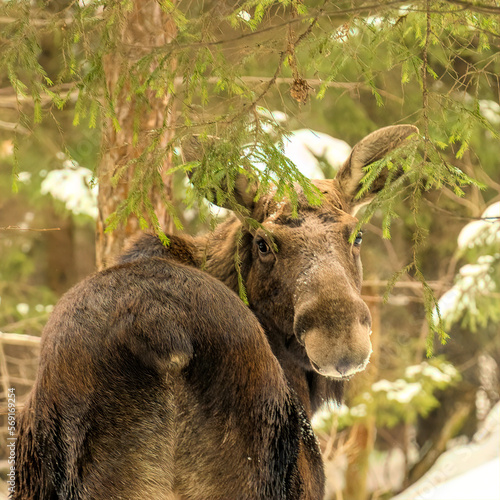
[366,320]
[344,366]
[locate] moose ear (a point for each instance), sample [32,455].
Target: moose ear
[370,149]
[244,190]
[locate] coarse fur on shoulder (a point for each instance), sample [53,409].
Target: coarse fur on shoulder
[156,372]
[181,248]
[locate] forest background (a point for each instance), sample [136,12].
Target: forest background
[97,96]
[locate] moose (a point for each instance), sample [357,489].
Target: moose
[156,381]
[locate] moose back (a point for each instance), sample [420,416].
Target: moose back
[156,381]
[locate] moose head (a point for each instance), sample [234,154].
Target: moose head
[303,273]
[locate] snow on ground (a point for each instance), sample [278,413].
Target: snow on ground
[469,472]
[481,483]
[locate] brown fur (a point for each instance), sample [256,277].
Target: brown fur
[155,380]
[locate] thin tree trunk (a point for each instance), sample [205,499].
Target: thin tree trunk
[363,434]
[456,418]
[146,27]
[61,274]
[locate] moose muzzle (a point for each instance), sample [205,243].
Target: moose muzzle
[335,333]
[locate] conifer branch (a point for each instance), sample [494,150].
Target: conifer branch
[425,90]
[9,99]
[283,56]
[476,7]
[371,8]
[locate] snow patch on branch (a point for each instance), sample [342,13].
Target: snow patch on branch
[73,186]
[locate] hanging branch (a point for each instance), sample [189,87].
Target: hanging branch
[425,90]
[283,56]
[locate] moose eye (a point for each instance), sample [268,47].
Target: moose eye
[359,239]
[263,247]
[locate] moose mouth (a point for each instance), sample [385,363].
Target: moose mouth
[337,345]
[335,374]
[338,376]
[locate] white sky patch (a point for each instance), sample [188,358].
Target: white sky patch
[304,146]
[343,32]
[87,3]
[374,21]
[191,213]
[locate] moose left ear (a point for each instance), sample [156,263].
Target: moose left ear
[369,150]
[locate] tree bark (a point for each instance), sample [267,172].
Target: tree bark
[146,27]
[457,416]
[61,273]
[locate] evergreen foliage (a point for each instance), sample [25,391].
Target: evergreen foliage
[219,45]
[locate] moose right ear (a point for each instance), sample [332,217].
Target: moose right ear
[367,151]
[243,192]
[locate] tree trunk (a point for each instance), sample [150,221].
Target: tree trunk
[146,27]
[457,416]
[61,273]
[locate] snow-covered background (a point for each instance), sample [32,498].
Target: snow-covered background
[468,472]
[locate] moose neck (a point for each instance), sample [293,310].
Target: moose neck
[217,257]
